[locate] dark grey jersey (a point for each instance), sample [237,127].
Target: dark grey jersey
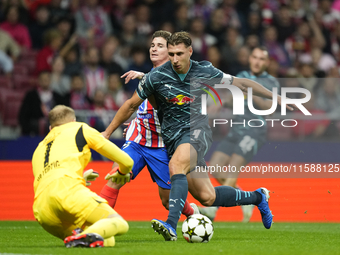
[179,101]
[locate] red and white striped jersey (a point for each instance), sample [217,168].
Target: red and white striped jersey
[145,129]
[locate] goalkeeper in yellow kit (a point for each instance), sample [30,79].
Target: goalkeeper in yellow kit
[62,203]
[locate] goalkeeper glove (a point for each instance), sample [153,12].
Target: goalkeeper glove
[90,175]
[117,176]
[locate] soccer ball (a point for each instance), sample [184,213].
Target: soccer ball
[197,228]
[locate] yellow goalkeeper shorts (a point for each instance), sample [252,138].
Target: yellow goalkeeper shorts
[65,205]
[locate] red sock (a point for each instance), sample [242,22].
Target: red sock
[110,194]
[187,209]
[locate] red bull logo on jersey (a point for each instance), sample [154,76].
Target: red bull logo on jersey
[181,99]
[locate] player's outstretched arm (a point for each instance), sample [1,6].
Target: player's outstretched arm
[97,142]
[123,114]
[263,104]
[258,90]
[131,75]
[114,153]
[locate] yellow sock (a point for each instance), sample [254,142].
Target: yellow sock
[108,227]
[109,242]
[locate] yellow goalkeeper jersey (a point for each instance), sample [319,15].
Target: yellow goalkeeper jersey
[65,151]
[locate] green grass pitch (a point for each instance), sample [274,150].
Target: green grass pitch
[27,237]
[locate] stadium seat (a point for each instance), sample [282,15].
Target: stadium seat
[29,54]
[5,82]
[3,94]
[97,42]
[11,107]
[29,64]
[20,68]
[23,82]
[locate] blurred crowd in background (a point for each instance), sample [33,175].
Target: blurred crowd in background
[74,51]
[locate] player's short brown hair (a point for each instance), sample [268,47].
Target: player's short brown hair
[161,33]
[262,48]
[180,37]
[61,114]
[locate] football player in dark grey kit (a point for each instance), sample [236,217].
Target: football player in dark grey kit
[186,132]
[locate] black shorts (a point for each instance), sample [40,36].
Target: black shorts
[199,137]
[245,143]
